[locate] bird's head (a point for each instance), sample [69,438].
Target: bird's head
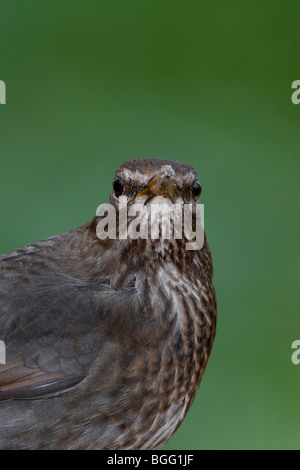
[148,180]
[151,200]
[153,213]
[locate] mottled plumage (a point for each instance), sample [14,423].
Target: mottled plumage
[106,340]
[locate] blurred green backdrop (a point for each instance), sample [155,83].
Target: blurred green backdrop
[91,84]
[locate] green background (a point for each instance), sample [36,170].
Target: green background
[91,84]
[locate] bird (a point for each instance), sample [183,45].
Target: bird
[107,339]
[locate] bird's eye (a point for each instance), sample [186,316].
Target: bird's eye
[118,186]
[197,190]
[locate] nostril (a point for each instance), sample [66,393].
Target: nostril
[167,171]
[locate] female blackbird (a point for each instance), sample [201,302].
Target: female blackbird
[107,338]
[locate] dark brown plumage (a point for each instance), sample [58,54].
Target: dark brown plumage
[106,340]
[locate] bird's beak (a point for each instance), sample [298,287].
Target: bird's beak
[163,185]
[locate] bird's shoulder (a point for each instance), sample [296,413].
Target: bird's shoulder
[53,321]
